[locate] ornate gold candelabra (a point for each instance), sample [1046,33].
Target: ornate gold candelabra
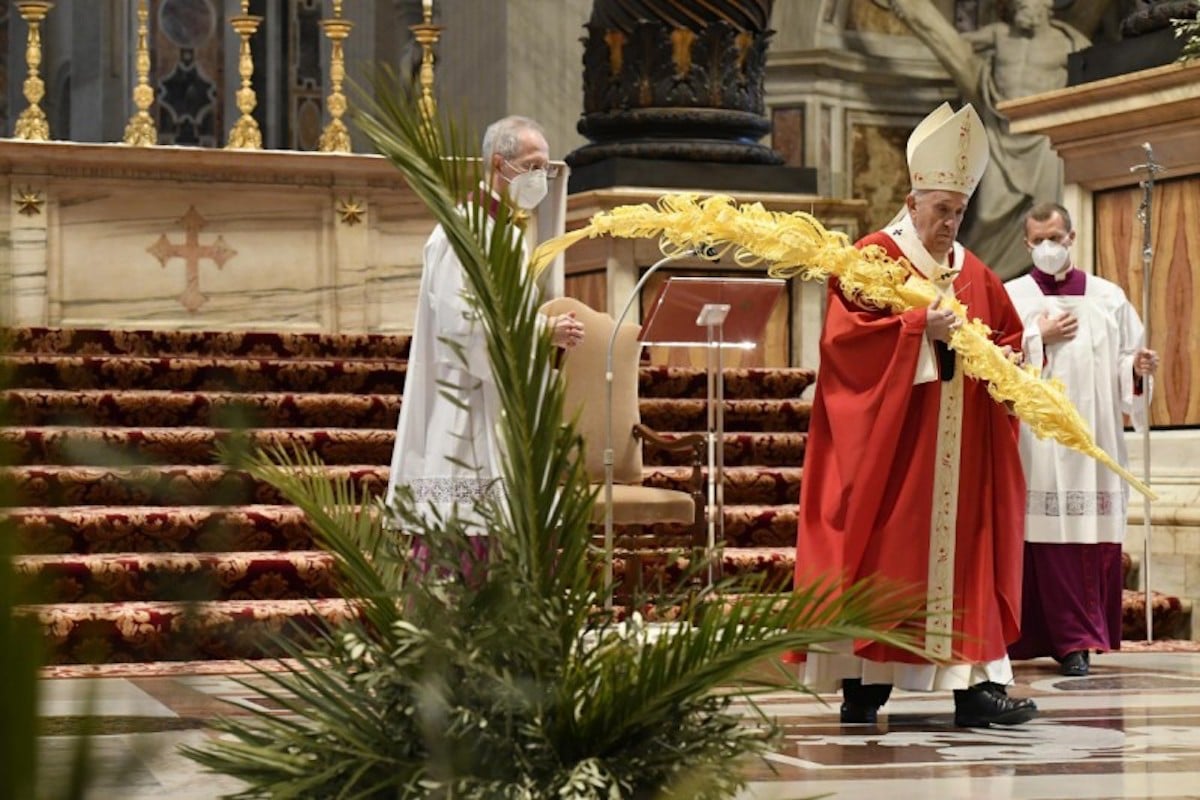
[336,138]
[245,134]
[141,130]
[32,124]
[427,34]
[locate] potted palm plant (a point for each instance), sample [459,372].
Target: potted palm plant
[516,683]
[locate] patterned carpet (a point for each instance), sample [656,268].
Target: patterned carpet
[147,550]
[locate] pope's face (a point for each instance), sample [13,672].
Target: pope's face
[937,216]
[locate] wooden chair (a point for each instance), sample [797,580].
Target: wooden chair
[583,368]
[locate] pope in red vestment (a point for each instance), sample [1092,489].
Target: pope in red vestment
[912,474]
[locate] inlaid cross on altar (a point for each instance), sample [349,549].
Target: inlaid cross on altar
[192,252]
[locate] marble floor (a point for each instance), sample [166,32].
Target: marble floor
[1129,730]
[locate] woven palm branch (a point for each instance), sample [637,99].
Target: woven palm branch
[798,245]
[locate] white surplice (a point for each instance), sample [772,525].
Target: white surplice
[1071,498]
[447,450]
[446,447]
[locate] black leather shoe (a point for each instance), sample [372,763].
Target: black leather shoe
[1075,664]
[853,714]
[861,703]
[986,704]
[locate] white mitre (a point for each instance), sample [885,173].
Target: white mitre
[948,150]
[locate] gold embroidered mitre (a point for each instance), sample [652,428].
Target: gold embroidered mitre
[948,150]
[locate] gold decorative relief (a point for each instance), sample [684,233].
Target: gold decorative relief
[351,210]
[29,201]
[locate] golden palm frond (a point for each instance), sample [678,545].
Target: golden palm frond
[798,245]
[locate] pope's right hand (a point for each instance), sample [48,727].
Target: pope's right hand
[940,322]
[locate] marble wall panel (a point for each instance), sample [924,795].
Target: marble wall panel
[787,134]
[261,257]
[878,168]
[397,239]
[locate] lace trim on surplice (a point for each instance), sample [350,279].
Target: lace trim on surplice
[452,490]
[1075,504]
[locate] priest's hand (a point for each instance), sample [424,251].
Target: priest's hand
[1059,328]
[565,330]
[1145,362]
[940,322]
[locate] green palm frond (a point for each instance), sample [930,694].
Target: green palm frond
[514,683]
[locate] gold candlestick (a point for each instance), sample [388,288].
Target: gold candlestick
[245,134]
[141,130]
[427,34]
[32,125]
[336,138]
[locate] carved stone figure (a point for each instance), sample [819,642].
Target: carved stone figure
[1022,56]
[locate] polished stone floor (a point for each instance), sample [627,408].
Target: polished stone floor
[1130,730]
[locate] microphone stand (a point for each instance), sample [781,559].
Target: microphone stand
[608,431]
[1144,216]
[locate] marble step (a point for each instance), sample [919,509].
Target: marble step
[747,416]
[1171,616]
[161,408]
[334,374]
[205,374]
[101,529]
[274,575]
[146,631]
[665,570]
[84,445]
[158,529]
[51,485]
[137,576]
[253,344]
[149,631]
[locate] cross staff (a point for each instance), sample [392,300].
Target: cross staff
[1144,216]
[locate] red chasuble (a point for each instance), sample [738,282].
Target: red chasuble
[867,502]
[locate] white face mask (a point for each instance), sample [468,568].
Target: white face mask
[527,189]
[1050,256]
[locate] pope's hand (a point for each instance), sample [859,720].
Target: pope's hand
[940,322]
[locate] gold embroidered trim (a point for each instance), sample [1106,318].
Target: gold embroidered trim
[939,598]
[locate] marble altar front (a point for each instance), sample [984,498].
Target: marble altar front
[105,235]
